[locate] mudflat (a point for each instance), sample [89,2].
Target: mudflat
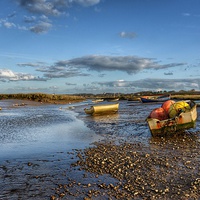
[127,163]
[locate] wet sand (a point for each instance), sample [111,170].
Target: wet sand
[127,164]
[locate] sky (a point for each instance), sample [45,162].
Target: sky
[99,46]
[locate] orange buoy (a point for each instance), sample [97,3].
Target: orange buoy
[166,105]
[158,113]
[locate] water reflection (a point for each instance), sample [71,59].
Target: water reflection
[33,129]
[106,118]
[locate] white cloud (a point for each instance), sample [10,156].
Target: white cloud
[129,35]
[9,75]
[86,2]
[9,25]
[6,73]
[40,6]
[40,10]
[186,14]
[41,27]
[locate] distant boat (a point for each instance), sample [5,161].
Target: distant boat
[21,104]
[102,109]
[97,100]
[111,99]
[184,119]
[151,99]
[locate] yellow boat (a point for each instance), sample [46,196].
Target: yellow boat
[102,109]
[184,120]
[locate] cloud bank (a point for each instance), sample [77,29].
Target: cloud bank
[129,64]
[103,64]
[152,84]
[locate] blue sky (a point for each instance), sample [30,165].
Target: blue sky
[97,46]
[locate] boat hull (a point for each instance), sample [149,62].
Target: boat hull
[102,109]
[148,100]
[97,100]
[184,120]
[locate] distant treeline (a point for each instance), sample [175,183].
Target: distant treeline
[45,98]
[66,98]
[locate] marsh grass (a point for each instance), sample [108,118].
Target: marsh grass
[44,98]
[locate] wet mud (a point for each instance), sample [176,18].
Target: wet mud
[128,163]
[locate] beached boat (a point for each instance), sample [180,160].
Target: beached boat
[102,109]
[97,100]
[111,99]
[151,99]
[182,120]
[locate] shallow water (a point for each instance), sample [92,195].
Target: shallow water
[29,130]
[38,129]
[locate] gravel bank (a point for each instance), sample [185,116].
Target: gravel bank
[167,169]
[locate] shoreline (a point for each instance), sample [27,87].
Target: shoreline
[73,98]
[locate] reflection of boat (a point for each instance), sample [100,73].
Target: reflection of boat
[134,99]
[102,109]
[181,121]
[106,118]
[97,100]
[150,99]
[21,104]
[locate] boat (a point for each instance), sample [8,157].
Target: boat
[102,109]
[111,99]
[184,119]
[151,99]
[97,100]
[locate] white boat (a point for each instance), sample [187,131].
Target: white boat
[102,109]
[97,100]
[111,99]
